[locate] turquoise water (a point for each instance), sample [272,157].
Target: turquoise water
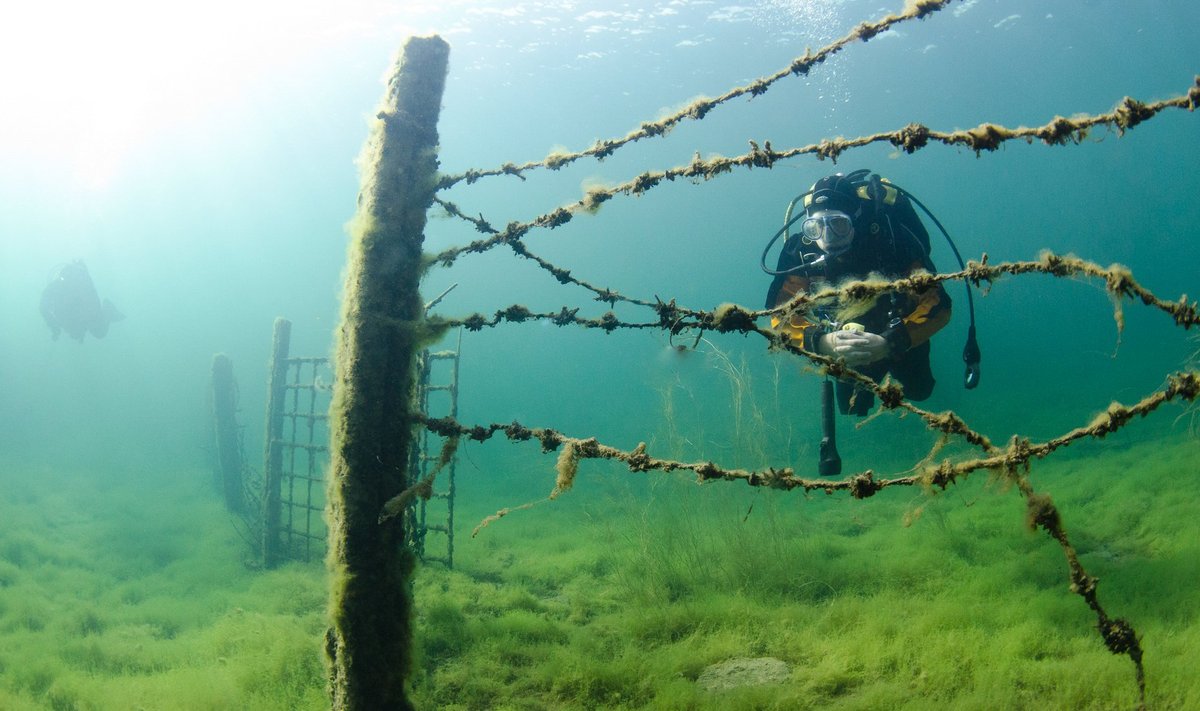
[201,162]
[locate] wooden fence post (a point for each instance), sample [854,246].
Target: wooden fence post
[229,450]
[382,329]
[273,449]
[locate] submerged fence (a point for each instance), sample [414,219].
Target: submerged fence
[296,453]
[376,480]
[281,511]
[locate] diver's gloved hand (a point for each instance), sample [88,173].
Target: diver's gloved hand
[855,347]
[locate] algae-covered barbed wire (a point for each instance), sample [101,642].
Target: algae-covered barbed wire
[1118,635]
[1010,462]
[910,138]
[1119,282]
[1019,452]
[800,66]
[731,318]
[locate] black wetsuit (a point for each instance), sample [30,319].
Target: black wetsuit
[891,241]
[70,303]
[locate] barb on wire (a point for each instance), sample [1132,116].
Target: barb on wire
[518,313]
[481,225]
[564,276]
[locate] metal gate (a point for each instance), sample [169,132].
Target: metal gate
[437,396]
[296,455]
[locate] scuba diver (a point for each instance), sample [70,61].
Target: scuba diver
[70,303]
[854,225]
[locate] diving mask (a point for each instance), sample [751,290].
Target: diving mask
[831,230]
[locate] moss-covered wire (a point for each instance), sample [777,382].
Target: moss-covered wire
[699,108]
[1127,114]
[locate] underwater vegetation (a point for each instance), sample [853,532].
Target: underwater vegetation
[622,598]
[127,591]
[629,596]
[893,619]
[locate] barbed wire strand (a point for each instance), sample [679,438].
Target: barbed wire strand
[1118,280]
[698,109]
[911,138]
[1011,462]
[1019,452]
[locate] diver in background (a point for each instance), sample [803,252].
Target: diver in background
[70,303]
[856,225]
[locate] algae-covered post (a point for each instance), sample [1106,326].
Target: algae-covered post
[382,329]
[273,449]
[229,451]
